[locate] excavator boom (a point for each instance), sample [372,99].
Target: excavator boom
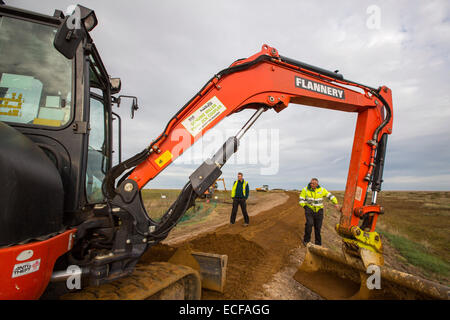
[265,81]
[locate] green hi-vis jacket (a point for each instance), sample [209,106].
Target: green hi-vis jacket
[314,198]
[240,190]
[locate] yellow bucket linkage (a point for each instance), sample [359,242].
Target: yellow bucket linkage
[350,274]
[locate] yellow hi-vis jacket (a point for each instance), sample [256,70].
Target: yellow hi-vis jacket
[244,187]
[314,198]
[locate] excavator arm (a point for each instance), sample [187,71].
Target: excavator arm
[267,80]
[263,81]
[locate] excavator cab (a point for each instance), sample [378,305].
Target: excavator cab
[55,138]
[57,93]
[62,105]
[56,148]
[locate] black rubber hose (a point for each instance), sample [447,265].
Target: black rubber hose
[176,211]
[310,67]
[375,136]
[388,115]
[116,171]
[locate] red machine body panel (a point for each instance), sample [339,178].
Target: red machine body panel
[25,270]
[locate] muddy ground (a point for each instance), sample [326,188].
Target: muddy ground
[263,257]
[220,216]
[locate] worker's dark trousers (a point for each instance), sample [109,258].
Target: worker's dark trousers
[313,219]
[239,202]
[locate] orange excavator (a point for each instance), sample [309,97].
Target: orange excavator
[63,204]
[212,189]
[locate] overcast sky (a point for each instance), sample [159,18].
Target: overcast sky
[164,51]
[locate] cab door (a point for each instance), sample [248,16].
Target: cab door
[100,137]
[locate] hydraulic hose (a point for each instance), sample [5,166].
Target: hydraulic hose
[376,174]
[176,211]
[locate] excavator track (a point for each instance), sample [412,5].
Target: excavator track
[155,281]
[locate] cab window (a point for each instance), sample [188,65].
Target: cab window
[35,79]
[98,158]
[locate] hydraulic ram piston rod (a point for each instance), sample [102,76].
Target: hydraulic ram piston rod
[209,171]
[201,179]
[249,123]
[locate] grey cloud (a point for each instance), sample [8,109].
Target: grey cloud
[164,51]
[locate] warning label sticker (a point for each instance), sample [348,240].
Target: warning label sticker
[203,116]
[22,269]
[164,158]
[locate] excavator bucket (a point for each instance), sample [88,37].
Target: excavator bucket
[335,276]
[213,270]
[212,267]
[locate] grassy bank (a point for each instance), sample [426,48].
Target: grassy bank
[418,255]
[157,201]
[417,225]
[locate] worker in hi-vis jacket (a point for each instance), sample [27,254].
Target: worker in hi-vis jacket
[311,199]
[240,193]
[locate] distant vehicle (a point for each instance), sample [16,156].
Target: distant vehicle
[264,188]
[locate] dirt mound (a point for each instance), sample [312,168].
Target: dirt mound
[157,253]
[246,261]
[254,254]
[234,245]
